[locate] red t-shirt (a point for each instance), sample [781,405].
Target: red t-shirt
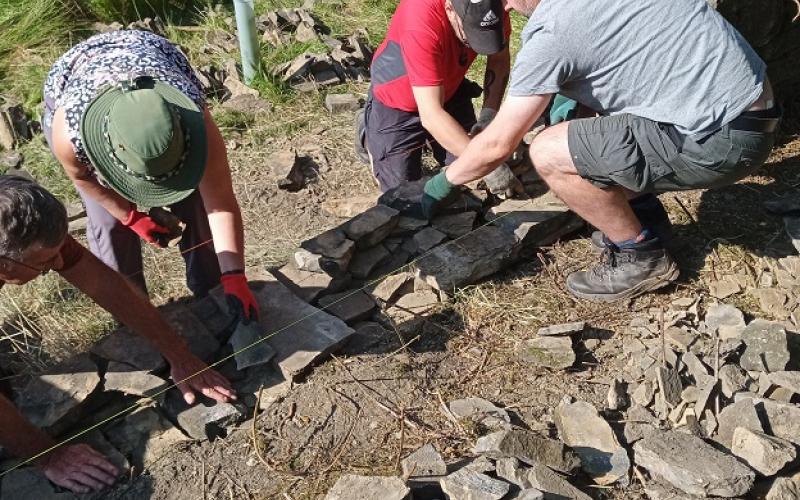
[421,49]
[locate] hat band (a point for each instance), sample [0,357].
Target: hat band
[153,178]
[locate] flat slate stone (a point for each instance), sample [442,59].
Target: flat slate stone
[692,465]
[410,311]
[307,285]
[552,485]
[585,431]
[528,447]
[455,225]
[341,103]
[669,383]
[764,453]
[300,333]
[788,379]
[371,227]
[537,222]
[392,287]
[351,306]
[424,462]
[424,240]
[725,319]
[353,487]
[784,488]
[549,352]
[767,347]
[467,484]
[741,413]
[125,378]
[562,329]
[126,347]
[206,419]
[49,397]
[329,252]
[366,260]
[455,264]
[480,411]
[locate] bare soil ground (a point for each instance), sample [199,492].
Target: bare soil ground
[382,397]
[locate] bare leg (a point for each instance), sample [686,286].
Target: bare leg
[606,209]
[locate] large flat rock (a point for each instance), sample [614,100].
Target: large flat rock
[585,431]
[49,397]
[692,465]
[299,333]
[466,484]
[307,285]
[767,346]
[473,257]
[535,222]
[200,341]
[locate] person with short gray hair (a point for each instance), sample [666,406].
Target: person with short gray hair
[34,241]
[684,103]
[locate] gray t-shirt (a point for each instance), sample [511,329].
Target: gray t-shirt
[671,61]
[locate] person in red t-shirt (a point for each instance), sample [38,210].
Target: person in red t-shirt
[419,92]
[33,241]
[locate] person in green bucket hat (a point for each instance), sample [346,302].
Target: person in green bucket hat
[125,115]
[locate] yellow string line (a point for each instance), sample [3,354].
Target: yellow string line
[230,356]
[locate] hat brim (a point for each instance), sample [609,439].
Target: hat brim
[485,41]
[137,190]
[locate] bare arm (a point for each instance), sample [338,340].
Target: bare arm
[492,146]
[80,175]
[443,127]
[495,80]
[117,295]
[224,216]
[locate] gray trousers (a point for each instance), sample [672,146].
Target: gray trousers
[120,248]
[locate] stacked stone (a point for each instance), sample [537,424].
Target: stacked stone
[406,263]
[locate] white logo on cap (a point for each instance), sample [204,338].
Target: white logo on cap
[475,1]
[489,19]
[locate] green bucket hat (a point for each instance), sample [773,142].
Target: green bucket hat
[147,141]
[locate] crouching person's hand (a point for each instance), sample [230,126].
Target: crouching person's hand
[79,468]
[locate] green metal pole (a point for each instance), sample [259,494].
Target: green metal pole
[248,38]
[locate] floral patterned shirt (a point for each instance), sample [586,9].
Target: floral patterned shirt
[108,59]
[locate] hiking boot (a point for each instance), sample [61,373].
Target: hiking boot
[651,214]
[625,272]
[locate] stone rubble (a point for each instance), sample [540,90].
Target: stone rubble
[353,487]
[480,411]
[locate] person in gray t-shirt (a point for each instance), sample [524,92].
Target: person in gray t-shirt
[683,103]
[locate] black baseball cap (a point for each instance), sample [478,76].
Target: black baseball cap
[483,24]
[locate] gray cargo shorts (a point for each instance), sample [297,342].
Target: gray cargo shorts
[645,156]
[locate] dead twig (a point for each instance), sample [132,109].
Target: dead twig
[448,413]
[254,434]
[402,439]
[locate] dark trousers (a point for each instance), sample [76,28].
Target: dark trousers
[120,248]
[395,138]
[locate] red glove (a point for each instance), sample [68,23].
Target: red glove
[143,225]
[241,302]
